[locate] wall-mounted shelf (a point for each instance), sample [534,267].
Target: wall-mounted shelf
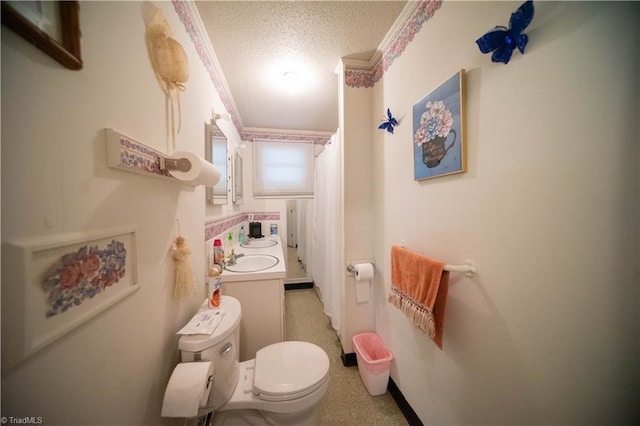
[129,155]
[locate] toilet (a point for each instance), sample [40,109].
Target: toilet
[280,386]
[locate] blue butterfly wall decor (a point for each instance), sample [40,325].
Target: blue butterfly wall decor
[502,40]
[390,123]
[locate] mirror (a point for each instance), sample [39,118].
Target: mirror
[237,179]
[299,213]
[216,153]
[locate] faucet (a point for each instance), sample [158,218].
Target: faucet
[233,257]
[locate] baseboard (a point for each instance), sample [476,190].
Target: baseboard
[406,410]
[297,286]
[349,360]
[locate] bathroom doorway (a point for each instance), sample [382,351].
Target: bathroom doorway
[298,247]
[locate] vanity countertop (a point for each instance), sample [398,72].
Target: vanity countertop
[278,271]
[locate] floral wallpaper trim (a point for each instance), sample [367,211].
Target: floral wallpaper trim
[266,216]
[187,12]
[354,76]
[133,155]
[190,18]
[219,226]
[367,77]
[316,139]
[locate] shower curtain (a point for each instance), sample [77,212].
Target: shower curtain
[327,229]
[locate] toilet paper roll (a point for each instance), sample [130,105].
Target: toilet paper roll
[364,271]
[202,172]
[188,389]
[364,275]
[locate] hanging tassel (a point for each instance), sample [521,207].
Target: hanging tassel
[185,285]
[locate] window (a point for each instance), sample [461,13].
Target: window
[282,168]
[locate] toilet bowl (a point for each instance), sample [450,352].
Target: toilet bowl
[280,386]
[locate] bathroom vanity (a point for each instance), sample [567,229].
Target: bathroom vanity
[259,286]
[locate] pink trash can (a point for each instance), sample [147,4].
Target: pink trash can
[374,362]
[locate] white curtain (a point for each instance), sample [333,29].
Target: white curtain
[327,239]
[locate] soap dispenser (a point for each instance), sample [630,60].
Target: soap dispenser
[230,250]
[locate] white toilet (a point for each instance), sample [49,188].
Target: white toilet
[281,386]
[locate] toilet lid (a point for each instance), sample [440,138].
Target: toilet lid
[289,370]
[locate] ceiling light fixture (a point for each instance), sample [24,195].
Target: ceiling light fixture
[290,75]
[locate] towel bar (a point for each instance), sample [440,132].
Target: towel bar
[468,268]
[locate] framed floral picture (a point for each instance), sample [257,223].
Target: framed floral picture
[54,285]
[438,131]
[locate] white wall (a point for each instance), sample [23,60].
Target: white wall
[547,332]
[357,201]
[112,369]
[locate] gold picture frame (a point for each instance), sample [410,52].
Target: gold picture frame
[439,139]
[59,38]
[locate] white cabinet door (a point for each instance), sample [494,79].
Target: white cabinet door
[262,313]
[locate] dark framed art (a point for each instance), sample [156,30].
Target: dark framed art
[51,26]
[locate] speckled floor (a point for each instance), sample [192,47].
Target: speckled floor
[347,401]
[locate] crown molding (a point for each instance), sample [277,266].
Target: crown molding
[413,16]
[190,17]
[358,73]
[249,134]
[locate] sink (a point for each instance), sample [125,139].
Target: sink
[259,244]
[253,263]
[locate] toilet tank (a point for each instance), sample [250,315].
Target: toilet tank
[222,347]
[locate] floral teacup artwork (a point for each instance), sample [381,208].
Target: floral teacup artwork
[81,275]
[435,127]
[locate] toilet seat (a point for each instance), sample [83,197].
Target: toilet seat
[289,370]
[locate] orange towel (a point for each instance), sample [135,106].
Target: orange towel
[419,287]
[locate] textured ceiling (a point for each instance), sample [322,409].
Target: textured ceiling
[256,41]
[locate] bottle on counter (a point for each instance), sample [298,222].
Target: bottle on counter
[230,244]
[241,235]
[214,287]
[218,253]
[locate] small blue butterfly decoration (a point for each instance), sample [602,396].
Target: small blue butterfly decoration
[390,123]
[502,40]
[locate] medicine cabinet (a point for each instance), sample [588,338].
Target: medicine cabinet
[237,179]
[216,152]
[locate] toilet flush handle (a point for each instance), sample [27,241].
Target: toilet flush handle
[226,348]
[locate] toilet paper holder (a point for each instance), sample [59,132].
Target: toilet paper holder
[352,269]
[127,154]
[180,164]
